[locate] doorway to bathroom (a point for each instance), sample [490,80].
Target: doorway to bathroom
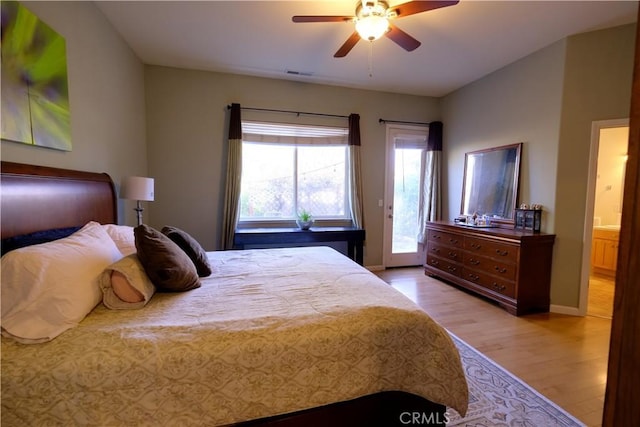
[609,142]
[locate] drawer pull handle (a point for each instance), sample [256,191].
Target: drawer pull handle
[473,277]
[474,261]
[453,254]
[435,236]
[502,253]
[453,241]
[476,246]
[434,262]
[499,288]
[450,268]
[501,270]
[436,250]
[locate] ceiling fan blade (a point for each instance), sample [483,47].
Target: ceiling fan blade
[348,45]
[319,18]
[413,7]
[401,38]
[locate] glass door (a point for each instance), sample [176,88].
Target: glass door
[406,146]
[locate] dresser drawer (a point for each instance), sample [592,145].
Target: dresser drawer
[443,251]
[491,249]
[444,265]
[445,238]
[503,270]
[504,287]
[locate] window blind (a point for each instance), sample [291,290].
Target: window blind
[410,142]
[281,133]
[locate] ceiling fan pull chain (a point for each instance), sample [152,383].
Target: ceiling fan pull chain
[370,59]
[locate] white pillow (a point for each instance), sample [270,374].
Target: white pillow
[125,284]
[123,237]
[51,287]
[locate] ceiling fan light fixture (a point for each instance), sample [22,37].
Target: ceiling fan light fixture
[373,20]
[372,27]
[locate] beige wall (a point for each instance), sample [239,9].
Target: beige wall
[519,103]
[187,126]
[546,100]
[106,92]
[598,75]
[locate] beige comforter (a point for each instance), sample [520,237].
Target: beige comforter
[271,331]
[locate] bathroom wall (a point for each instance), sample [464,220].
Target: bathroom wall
[612,151]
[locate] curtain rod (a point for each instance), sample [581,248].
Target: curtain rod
[298,113]
[406,123]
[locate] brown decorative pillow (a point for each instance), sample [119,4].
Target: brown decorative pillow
[191,247]
[168,267]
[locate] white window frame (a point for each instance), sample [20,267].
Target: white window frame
[295,135]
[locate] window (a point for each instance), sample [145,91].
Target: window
[287,168]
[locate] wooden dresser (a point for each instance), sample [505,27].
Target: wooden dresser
[511,267]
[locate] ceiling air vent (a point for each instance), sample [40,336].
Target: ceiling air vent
[299,73]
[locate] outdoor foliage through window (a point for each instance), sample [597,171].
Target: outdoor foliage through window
[279,180]
[406,199]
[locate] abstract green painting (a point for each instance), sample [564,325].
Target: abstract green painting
[35,96]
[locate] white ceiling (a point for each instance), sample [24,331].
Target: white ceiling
[460,43]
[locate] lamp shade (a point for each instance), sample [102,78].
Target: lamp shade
[137,188]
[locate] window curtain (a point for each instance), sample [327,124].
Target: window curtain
[234,174]
[430,208]
[355,172]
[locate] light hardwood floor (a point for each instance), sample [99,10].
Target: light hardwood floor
[562,357]
[600,302]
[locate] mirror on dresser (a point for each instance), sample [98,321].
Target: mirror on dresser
[490,183]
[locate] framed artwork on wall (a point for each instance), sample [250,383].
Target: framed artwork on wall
[35,96]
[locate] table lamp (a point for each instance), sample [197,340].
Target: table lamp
[137,188]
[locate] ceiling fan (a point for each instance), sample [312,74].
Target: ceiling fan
[373,20]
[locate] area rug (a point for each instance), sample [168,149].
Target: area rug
[499,399]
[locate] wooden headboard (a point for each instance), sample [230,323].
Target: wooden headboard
[36,198]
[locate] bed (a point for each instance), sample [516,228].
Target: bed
[280,337]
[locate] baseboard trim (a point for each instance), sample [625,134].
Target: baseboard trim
[563,309]
[375,267]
